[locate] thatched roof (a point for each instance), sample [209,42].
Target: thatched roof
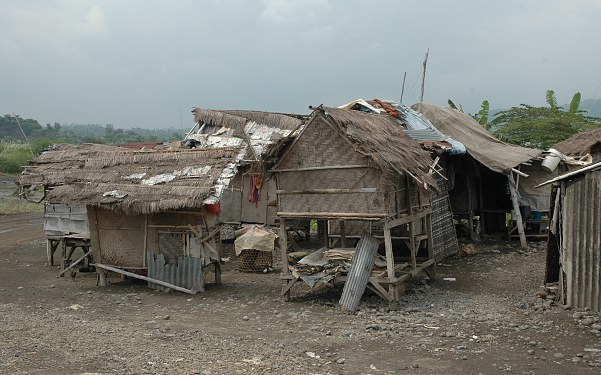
[383,140]
[259,130]
[237,119]
[496,155]
[580,143]
[135,181]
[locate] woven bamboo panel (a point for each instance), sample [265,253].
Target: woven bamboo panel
[119,238]
[443,228]
[355,227]
[329,179]
[341,203]
[320,145]
[171,245]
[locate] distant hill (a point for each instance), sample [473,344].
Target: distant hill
[591,106]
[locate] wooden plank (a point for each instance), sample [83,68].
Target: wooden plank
[358,275]
[134,275]
[413,244]
[408,218]
[284,246]
[75,263]
[342,233]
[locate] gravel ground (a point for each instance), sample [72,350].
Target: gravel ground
[489,320]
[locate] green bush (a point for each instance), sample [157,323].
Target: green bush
[13,156]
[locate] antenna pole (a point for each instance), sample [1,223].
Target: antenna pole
[403,88]
[24,136]
[421,97]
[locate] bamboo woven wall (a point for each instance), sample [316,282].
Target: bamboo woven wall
[443,228]
[358,202]
[117,239]
[320,145]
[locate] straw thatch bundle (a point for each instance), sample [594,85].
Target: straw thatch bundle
[136,181]
[580,143]
[237,119]
[383,139]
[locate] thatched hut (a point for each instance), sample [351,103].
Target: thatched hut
[150,208]
[582,144]
[440,146]
[482,182]
[359,172]
[259,135]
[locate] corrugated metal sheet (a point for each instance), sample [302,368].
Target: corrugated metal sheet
[581,241]
[358,275]
[62,219]
[186,272]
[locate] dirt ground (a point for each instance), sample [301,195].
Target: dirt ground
[488,320]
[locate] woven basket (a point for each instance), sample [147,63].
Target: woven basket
[252,260]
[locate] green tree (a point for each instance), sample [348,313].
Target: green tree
[542,127]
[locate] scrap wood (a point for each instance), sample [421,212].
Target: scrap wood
[76,262]
[135,275]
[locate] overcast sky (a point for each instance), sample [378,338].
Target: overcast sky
[147,63]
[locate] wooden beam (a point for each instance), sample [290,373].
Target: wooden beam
[408,218]
[154,281]
[75,263]
[519,172]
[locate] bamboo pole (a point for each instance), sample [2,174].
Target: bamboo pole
[75,263]
[154,281]
[516,209]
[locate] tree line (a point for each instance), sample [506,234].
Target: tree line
[21,139]
[536,127]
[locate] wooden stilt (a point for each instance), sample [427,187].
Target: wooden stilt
[516,209]
[283,250]
[102,278]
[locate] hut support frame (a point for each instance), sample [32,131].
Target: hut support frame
[389,286]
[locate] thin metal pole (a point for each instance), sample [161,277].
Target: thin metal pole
[403,88]
[421,97]
[24,136]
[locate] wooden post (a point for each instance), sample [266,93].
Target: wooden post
[393,294]
[101,278]
[342,233]
[516,209]
[431,270]
[470,206]
[413,244]
[284,253]
[145,240]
